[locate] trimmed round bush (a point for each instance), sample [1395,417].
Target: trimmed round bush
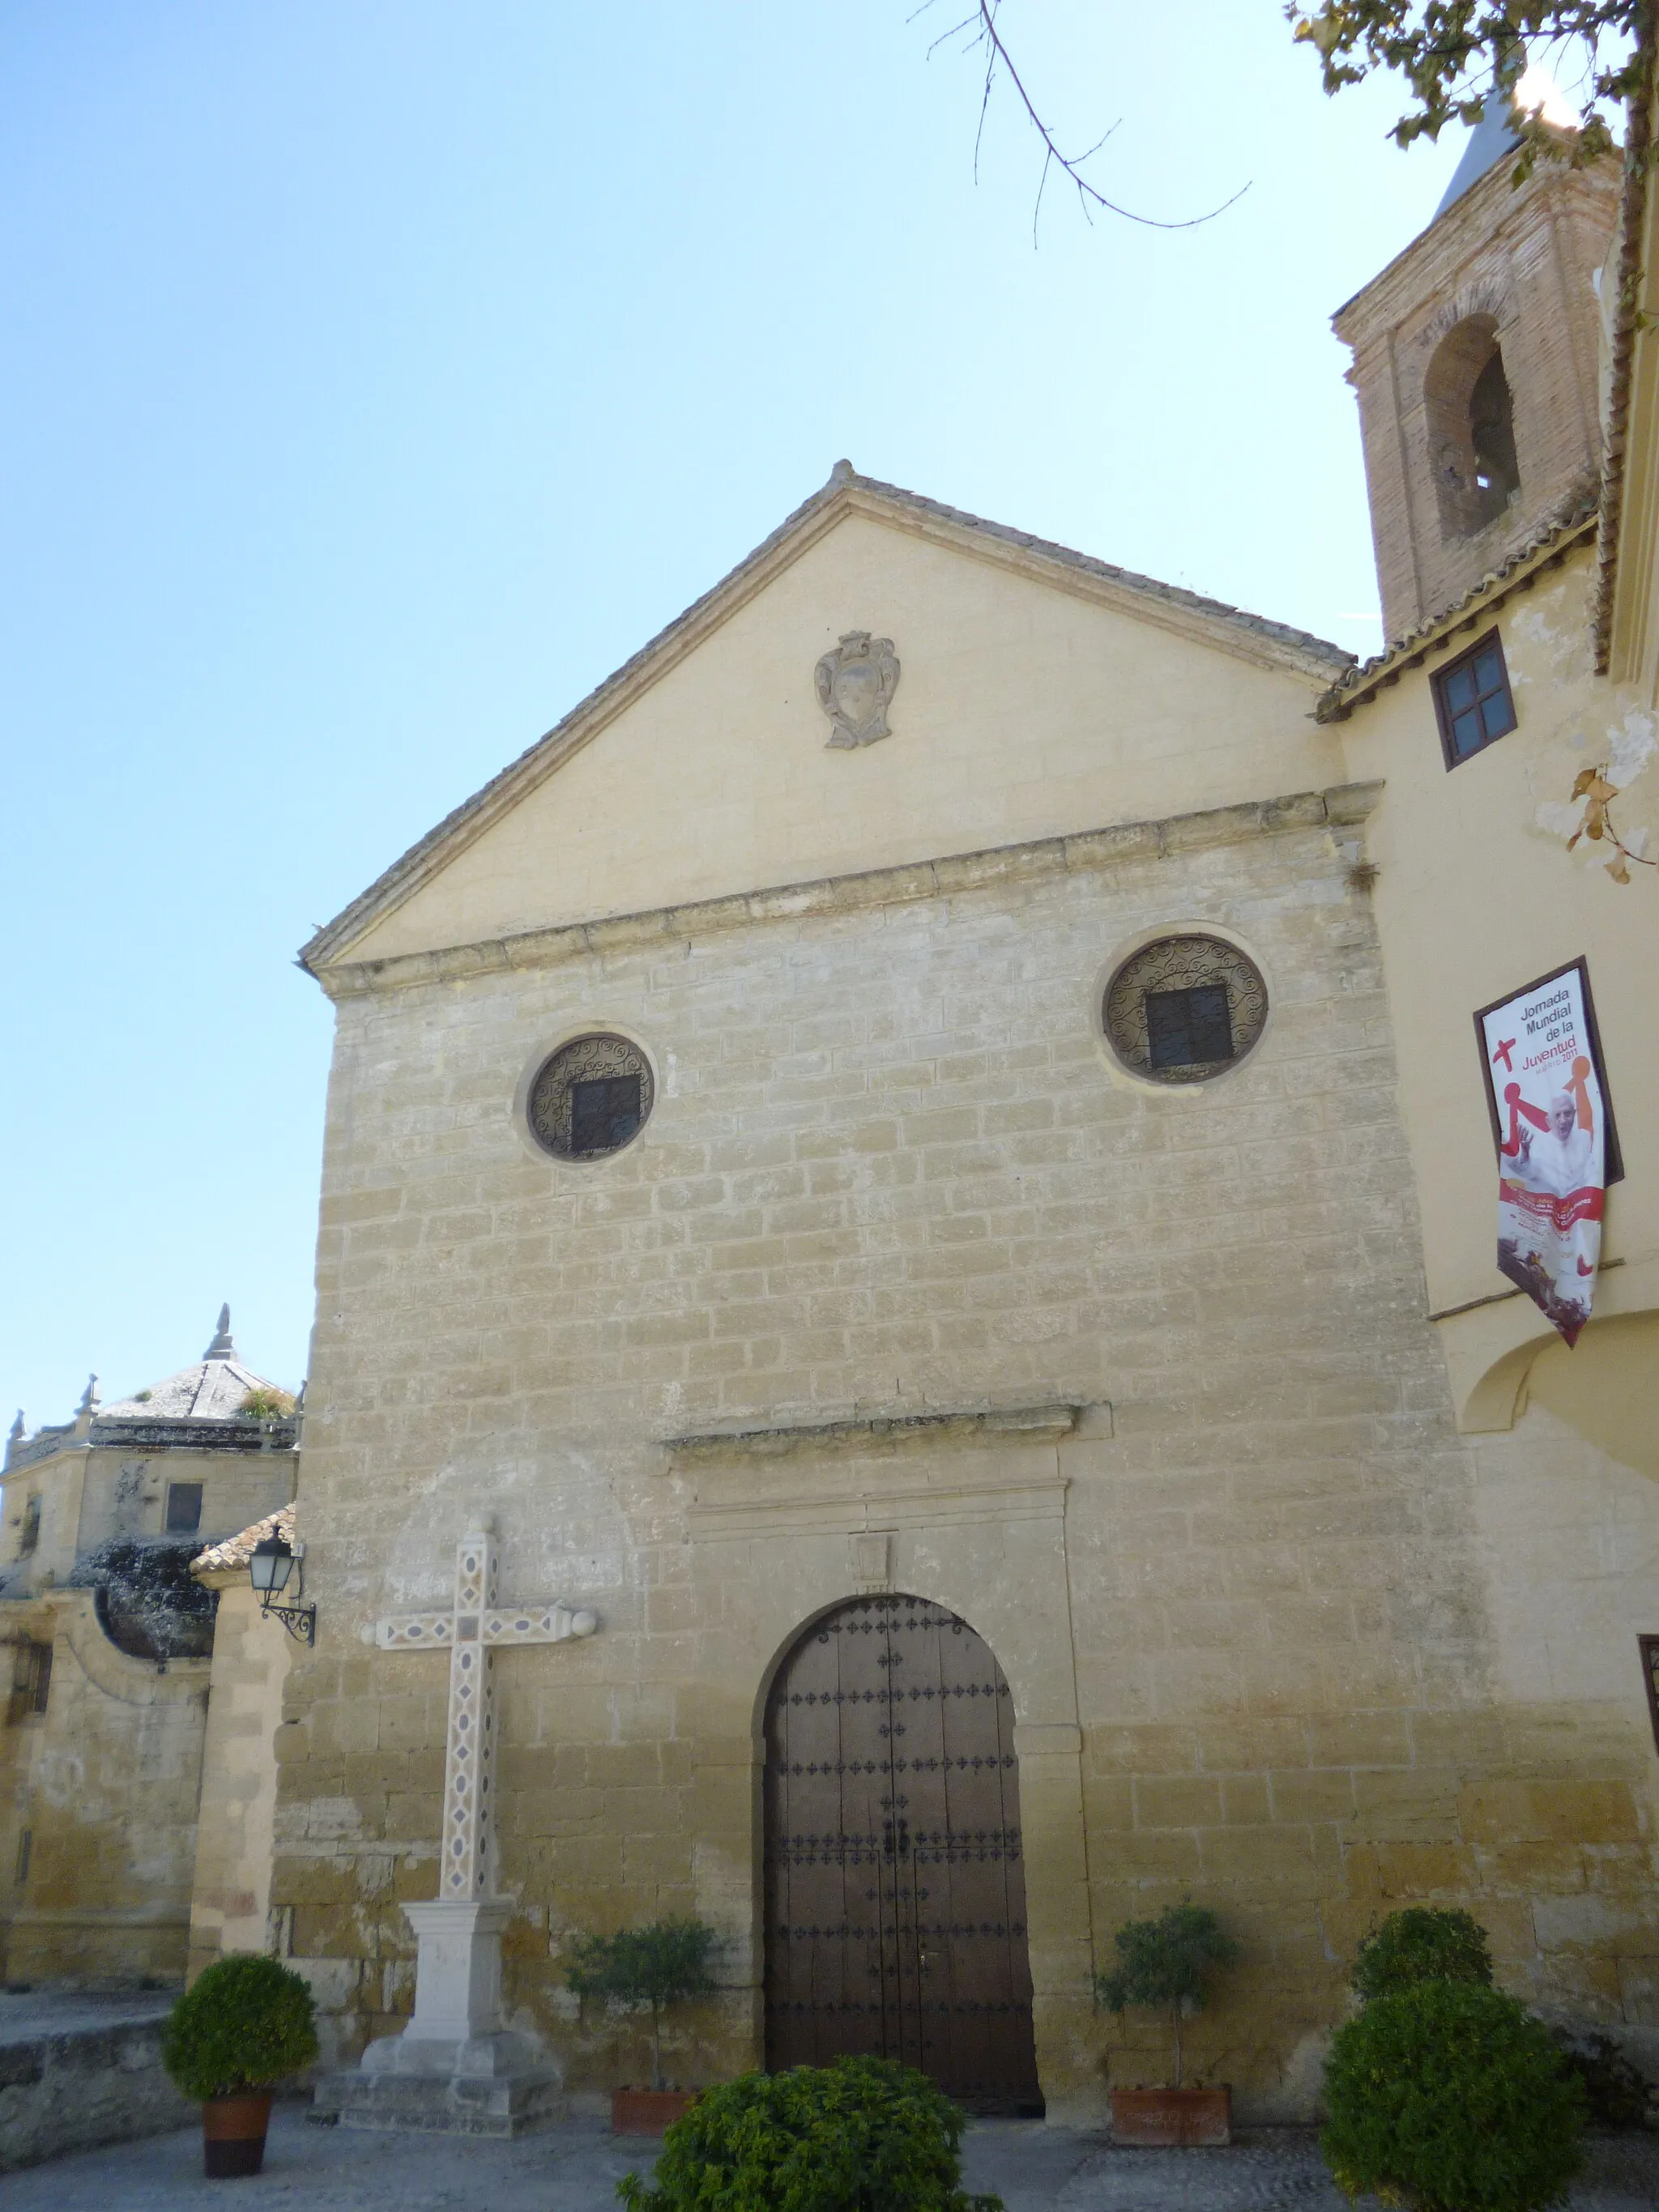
[245,2022]
[862,2135]
[1421,1944]
[1451,2097]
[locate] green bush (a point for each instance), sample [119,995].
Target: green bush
[1167,1961]
[1451,2097]
[862,2135]
[1422,1944]
[659,1965]
[245,2022]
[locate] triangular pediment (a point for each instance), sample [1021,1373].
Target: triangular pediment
[1039,692]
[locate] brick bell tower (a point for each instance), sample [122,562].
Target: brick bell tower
[1475,361]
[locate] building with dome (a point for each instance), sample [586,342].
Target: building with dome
[107,1641]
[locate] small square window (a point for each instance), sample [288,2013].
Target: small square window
[1472,699]
[30,1680]
[1188,1029]
[605,1113]
[183,1508]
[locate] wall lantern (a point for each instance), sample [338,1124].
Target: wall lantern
[269,1570]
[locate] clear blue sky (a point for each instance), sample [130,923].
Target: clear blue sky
[379,373]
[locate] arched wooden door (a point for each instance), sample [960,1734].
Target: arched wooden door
[895,1887]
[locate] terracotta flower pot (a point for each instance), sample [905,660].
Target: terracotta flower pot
[1165,2119]
[648,2111]
[233,2134]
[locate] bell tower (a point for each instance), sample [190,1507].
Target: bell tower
[1475,362]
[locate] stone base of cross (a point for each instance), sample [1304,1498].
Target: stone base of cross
[457,2030]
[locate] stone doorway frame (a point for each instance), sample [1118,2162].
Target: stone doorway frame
[965,1510]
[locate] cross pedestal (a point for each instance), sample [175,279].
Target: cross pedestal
[457,2065]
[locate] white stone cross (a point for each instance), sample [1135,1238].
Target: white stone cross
[456,2025]
[477,1627]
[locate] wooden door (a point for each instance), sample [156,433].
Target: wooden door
[894,1888]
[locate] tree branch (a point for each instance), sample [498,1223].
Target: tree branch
[982,26]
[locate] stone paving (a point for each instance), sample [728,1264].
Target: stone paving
[576,2168]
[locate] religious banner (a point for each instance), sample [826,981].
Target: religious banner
[1550,1118]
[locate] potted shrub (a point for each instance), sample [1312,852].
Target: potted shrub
[1167,1964]
[1444,2091]
[658,1965]
[243,2025]
[862,2132]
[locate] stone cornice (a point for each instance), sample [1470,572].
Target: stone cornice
[1085,851]
[1044,1424]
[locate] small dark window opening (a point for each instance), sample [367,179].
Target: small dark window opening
[31,1531]
[25,1852]
[183,1508]
[1188,1028]
[605,1113]
[30,1680]
[1649,1649]
[1492,433]
[1473,701]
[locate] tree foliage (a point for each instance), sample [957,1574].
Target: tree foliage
[1450,2097]
[1423,1943]
[862,2135]
[1167,1961]
[659,1965]
[245,2022]
[1455,54]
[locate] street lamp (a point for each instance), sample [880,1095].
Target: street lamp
[269,1570]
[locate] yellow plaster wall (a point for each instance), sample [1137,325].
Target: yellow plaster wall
[1024,708]
[1476,896]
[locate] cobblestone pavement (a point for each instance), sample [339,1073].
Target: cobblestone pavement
[576,2169]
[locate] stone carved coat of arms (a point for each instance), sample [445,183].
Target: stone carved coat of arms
[856,684]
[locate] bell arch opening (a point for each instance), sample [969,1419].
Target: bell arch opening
[894,1876]
[1471,423]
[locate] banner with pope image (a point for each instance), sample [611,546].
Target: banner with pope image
[1550,1118]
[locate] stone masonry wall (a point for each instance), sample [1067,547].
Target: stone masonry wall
[1245,1609]
[106,1783]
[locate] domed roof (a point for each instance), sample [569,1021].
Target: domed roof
[214,1389]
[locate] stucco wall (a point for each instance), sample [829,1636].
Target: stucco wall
[1029,704]
[1476,896]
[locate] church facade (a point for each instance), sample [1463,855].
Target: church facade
[914,1181]
[910,1356]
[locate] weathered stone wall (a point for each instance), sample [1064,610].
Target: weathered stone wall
[71,2079]
[230,1902]
[1248,1607]
[106,1783]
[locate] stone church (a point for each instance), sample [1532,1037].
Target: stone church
[909,1356]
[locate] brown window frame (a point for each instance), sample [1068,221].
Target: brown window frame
[1649,1648]
[1493,641]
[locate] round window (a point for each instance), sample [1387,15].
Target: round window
[1184,1008]
[591,1098]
